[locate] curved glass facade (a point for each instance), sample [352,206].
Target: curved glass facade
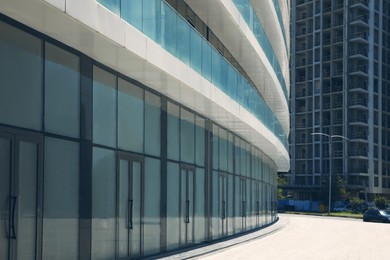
[279,13]
[120,170]
[162,24]
[251,19]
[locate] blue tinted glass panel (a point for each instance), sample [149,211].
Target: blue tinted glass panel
[21,70]
[232,82]
[104,107]
[131,11]
[200,141]
[152,124]
[151,228]
[173,202]
[173,131]
[216,68]
[113,5]
[200,220]
[206,60]
[187,136]
[130,117]
[223,152]
[183,41]
[61,200]
[152,19]
[230,152]
[196,50]
[215,147]
[103,204]
[168,29]
[62,92]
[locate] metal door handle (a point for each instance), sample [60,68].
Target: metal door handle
[13,236]
[130,214]
[187,220]
[223,209]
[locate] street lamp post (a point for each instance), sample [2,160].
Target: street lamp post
[330,137]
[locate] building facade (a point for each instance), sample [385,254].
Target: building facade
[340,78]
[134,128]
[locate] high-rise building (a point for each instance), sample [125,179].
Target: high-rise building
[133,128]
[340,74]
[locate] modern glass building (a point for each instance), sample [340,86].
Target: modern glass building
[133,128]
[340,73]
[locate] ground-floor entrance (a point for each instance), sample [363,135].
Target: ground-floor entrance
[20,195]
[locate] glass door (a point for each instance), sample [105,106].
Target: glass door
[257,203]
[20,196]
[223,189]
[187,203]
[129,206]
[243,203]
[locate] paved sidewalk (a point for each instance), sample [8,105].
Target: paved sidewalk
[315,238]
[219,246]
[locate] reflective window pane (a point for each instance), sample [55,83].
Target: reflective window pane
[152,207]
[103,204]
[152,124]
[173,201]
[61,199]
[130,117]
[173,131]
[21,82]
[104,107]
[62,92]
[187,136]
[200,141]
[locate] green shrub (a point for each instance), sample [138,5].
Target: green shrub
[381,202]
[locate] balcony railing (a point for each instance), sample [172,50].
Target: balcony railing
[358,102]
[358,18]
[358,169]
[173,33]
[363,35]
[337,88]
[363,2]
[248,13]
[358,135]
[358,119]
[357,85]
[359,68]
[357,152]
[359,52]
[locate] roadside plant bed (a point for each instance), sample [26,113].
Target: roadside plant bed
[332,214]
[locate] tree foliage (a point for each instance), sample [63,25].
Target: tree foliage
[356,204]
[281,182]
[381,202]
[340,191]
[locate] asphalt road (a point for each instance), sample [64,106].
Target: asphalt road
[311,237]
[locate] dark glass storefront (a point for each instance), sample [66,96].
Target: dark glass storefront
[96,165]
